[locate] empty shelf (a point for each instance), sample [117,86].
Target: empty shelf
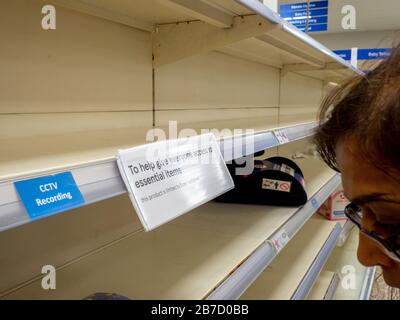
[90,156]
[288,47]
[188,258]
[293,273]
[146,14]
[280,44]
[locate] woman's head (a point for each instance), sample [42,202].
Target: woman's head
[359,136]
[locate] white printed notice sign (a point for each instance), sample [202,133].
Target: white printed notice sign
[169,178]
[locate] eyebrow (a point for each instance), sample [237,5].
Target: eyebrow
[373,197]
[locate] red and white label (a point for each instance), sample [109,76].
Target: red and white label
[281,136]
[277,185]
[279,240]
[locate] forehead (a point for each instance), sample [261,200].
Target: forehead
[359,176]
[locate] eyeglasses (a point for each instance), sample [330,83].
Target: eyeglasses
[390,244]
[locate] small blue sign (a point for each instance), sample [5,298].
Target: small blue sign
[290,15]
[319,4]
[303,6]
[318,27]
[344,54]
[373,54]
[314,203]
[293,7]
[365,54]
[300,23]
[313,14]
[312,21]
[49,195]
[314,28]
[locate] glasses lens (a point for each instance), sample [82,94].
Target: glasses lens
[353,212]
[390,244]
[390,236]
[386,245]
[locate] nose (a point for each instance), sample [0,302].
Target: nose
[370,254]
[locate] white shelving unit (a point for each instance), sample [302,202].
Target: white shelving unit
[92,160]
[111,72]
[254,32]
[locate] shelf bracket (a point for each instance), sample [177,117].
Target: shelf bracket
[335,66]
[334,70]
[298,67]
[174,42]
[292,51]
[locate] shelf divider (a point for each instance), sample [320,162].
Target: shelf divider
[368,283]
[308,281]
[325,286]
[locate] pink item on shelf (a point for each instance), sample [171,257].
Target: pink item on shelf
[333,207]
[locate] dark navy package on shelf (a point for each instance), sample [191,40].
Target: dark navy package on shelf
[274,181]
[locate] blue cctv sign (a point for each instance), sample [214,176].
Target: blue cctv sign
[49,195]
[312,16]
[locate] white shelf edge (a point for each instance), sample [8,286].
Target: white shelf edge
[241,279]
[330,293]
[267,13]
[102,180]
[344,235]
[93,189]
[264,140]
[315,44]
[368,283]
[316,267]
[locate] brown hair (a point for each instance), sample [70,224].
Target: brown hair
[366,109]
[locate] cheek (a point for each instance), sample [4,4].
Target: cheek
[365,252]
[346,183]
